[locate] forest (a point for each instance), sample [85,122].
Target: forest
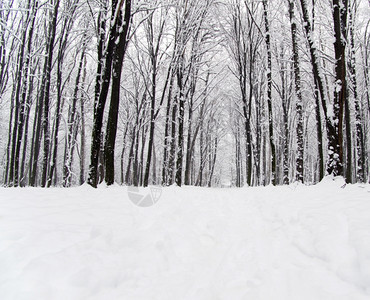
[187,92]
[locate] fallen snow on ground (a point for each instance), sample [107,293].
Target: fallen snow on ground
[296,242]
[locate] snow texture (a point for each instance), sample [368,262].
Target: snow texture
[292,242]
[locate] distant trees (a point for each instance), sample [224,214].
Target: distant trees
[192,92]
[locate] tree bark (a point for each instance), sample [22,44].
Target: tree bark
[60,60]
[299,101]
[67,168]
[319,90]
[99,105]
[358,119]
[269,93]
[47,79]
[335,143]
[123,25]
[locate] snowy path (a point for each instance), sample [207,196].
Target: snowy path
[251,243]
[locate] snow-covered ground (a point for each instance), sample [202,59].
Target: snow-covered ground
[296,242]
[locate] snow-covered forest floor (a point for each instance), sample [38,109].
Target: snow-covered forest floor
[289,242]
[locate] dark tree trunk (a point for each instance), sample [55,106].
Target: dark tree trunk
[9,144]
[103,94]
[141,164]
[36,140]
[299,102]
[213,162]
[135,171]
[123,154]
[101,162]
[360,174]
[82,112]
[128,179]
[23,104]
[189,147]
[18,105]
[237,157]
[172,154]
[165,167]
[335,138]
[269,94]
[119,54]
[180,139]
[199,181]
[46,92]
[25,137]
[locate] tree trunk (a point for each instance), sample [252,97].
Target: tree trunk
[46,92]
[119,54]
[358,120]
[62,47]
[165,167]
[22,114]
[319,90]
[172,154]
[67,168]
[82,111]
[36,139]
[25,137]
[299,102]
[180,139]
[103,94]
[335,143]
[18,105]
[269,93]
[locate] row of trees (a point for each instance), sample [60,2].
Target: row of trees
[316,111]
[167,90]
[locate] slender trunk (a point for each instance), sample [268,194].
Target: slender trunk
[189,154]
[237,157]
[269,94]
[67,172]
[201,153]
[152,122]
[36,139]
[299,102]
[23,103]
[25,137]
[320,149]
[319,90]
[213,162]
[18,106]
[8,148]
[123,154]
[46,92]
[141,164]
[130,157]
[82,111]
[172,154]
[154,168]
[167,135]
[358,120]
[135,172]
[60,59]
[180,135]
